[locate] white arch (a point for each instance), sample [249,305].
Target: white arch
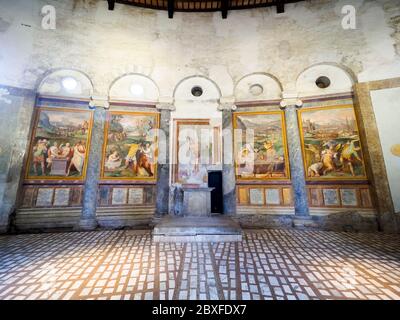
[211,90]
[120,88]
[341,79]
[258,86]
[51,84]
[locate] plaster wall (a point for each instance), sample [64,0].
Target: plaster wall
[285,53]
[387,114]
[107,44]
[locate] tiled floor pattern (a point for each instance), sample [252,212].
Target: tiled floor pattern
[267,264]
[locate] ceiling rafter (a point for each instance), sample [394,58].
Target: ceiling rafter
[171,8]
[280,6]
[111,4]
[224,6]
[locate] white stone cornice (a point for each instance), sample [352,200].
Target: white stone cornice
[165,103]
[99,102]
[227,104]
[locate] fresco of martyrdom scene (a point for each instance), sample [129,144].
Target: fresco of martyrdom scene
[194,151]
[59,144]
[331,143]
[266,156]
[130,146]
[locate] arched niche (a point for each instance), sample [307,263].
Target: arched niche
[196,102]
[197,96]
[66,83]
[258,87]
[324,78]
[134,87]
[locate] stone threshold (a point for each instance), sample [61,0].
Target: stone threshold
[197,229]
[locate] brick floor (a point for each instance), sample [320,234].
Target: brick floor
[267,264]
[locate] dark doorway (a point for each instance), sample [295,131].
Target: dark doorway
[215,181]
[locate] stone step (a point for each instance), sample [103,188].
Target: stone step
[197,229]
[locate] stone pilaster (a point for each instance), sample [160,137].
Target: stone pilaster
[16,110]
[296,160]
[162,204]
[228,169]
[88,216]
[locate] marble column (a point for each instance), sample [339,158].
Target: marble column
[296,160]
[228,169]
[88,216]
[162,203]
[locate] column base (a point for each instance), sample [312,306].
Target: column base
[3,229]
[303,222]
[389,222]
[87,225]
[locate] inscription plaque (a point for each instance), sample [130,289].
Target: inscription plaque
[135,196]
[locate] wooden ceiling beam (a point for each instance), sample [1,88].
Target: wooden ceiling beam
[224,9]
[280,6]
[171,8]
[111,4]
[207,5]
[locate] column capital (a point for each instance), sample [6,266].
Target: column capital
[227,104]
[286,103]
[3,95]
[290,98]
[99,102]
[165,103]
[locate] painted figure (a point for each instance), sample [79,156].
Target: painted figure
[52,153]
[271,157]
[39,156]
[78,158]
[143,160]
[85,127]
[114,161]
[327,157]
[148,150]
[349,155]
[66,151]
[246,160]
[131,159]
[189,157]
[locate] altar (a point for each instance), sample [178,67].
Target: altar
[59,167]
[196,201]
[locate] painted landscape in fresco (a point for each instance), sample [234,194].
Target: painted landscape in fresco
[60,144]
[266,157]
[331,143]
[130,150]
[194,152]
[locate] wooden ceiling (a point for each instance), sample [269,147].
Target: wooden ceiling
[203,5]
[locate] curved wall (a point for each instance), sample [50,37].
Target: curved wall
[254,56]
[107,44]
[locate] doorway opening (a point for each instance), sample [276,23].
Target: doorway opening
[215,181]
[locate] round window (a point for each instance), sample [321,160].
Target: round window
[197,91]
[323,82]
[256,89]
